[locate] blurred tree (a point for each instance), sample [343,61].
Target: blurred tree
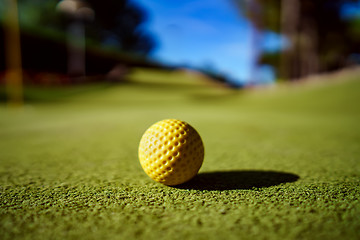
[14,80]
[53,39]
[320,38]
[117,24]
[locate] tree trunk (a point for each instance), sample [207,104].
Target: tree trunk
[14,81]
[309,57]
[289,59]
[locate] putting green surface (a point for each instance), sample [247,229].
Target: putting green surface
[279,164]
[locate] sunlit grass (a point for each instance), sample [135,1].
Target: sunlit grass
[69,168]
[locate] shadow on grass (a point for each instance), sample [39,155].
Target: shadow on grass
[231,180]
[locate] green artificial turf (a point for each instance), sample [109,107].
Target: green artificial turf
[279,164]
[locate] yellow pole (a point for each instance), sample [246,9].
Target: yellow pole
[14,81]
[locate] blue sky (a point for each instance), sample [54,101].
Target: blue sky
[202,33]
[351,10]
[212,33]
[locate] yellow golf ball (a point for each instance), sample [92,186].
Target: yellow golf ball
[171,152]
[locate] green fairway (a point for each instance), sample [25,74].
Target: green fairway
[279,164]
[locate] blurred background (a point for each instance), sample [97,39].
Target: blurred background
[238,43]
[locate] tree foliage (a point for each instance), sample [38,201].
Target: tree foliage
[120,23]
[321,39]
[116,23]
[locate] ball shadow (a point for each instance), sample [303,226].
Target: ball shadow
[231,180]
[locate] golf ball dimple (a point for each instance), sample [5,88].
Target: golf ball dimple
[171,152]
